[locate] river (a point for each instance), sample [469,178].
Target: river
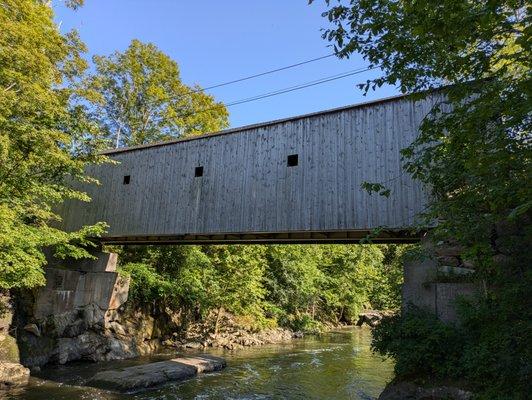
[336,365]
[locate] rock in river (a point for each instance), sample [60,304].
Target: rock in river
[134,379]
[13,375]
[412,391]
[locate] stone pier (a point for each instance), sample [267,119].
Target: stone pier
[435,281]
[73,284]
[70,317]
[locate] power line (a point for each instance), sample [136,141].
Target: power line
[246,78]
[267,72]
[285,90]
[302,86]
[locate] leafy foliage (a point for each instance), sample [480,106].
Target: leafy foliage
[419,341]
[497,349]
[147,284]
[351,273]
[137,97]
[200,278]
[293,281]
[37,130]
[385,291]
[474,149]
[372,187]
[299,286]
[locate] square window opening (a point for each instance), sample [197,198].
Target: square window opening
[292,160]
[198,171]
[127,179]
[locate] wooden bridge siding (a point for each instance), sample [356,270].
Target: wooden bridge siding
[247,186]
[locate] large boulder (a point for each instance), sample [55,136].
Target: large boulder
[370,317]
[13,375]
[32,328]
[92,346]
[8,349]
[412,391]
[133,379]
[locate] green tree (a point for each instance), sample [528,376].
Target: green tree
[473,151]
[385,291]
[307,285]
[199,279]
[137,97]
[293,280]
[351,274]
[37,131]
[169,277]
[298,286]
[239,274]
[477,157]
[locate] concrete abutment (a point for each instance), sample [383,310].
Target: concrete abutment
[435,281]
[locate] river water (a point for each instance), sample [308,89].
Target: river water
[337,365]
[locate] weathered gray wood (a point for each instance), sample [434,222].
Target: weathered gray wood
[247,186]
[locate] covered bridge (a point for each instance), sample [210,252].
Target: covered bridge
[292,180]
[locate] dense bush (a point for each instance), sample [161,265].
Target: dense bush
[422,345]
[489,349]
[385,292]
[296,286]
[497,353]
[147,284]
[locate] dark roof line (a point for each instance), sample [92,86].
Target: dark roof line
[258,125]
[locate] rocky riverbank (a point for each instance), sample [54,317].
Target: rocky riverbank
[92,335]
[12,373]
[82,314]
[414,391]
[234,339]
[232,334]
[90,332]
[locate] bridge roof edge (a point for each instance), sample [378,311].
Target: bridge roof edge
[267,123]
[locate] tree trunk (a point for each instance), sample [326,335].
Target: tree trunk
[217,323]
[340,316]
[118,138]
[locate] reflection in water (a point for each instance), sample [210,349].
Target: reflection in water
[337,365]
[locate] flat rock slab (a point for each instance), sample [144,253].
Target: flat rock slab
[13,375]
[134,379]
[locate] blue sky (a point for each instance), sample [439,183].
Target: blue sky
[217,41]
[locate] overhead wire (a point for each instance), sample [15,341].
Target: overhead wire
[303,85]
[269,94]
[284,90]
[266,72]
[190,92]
